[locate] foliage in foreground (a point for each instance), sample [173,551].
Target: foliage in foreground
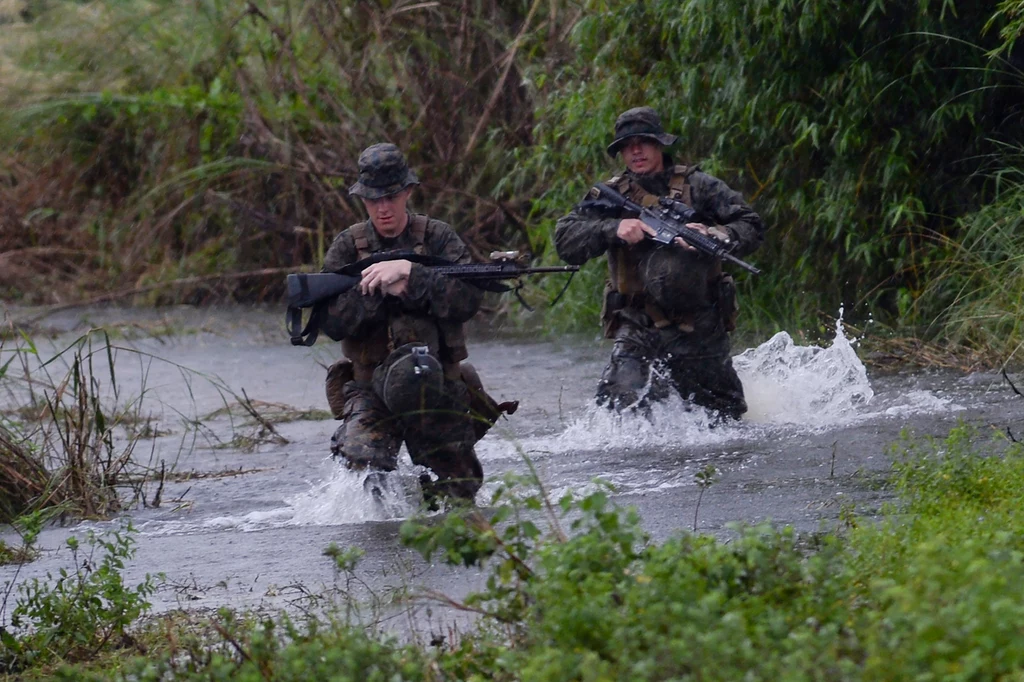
[80,612]
[935,588]
[577,591]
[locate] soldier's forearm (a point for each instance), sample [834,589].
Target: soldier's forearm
[748,233]
[445,298]
[578,240]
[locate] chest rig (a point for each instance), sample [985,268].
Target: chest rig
[622,261]
[445,339]
[417,230]
[625,287]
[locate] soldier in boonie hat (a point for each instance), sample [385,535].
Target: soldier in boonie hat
[382,172]
[666,306]
[639,122]
[404,377]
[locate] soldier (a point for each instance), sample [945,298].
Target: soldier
[667,305]
[401,330]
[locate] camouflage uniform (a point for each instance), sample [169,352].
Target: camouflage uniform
[431,313]
[665,304]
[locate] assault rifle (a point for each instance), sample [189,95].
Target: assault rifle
[668,218]
[314,290]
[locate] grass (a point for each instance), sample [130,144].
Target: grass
[70,431]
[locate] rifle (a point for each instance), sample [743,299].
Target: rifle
[668,219]
[314,290]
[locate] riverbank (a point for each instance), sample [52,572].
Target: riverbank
[193,165]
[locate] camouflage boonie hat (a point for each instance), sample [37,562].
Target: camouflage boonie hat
[639,122]
[382,172]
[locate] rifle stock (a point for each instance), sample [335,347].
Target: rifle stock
[312,290]
[304,290]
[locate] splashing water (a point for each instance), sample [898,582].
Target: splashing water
[805,385]
[785,384]
[668,422]
[356,497]
[342,497]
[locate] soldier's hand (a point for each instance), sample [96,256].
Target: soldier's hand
[388,277]
[633,230]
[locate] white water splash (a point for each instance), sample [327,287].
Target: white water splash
[669,422]
[342,497]
[786,385]
[349,497]
[804,385]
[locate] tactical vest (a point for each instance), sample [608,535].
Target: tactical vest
[625,288]
[447,338]
[622,261]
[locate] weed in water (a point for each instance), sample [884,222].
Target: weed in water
[704,479]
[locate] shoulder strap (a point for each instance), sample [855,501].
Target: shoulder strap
[679,184]
[418,230]
[361,240]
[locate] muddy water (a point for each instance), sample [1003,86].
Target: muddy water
[250,527]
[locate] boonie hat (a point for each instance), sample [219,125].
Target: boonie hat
[639,122]
[382,172]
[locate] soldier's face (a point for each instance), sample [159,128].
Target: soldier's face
[388,213]
[642,155]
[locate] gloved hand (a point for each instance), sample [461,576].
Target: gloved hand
[721,234]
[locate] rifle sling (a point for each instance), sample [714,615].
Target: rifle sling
[303,336]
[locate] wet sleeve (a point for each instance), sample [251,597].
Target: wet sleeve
[444,298]
[726,207]
[351,314]
[584,233]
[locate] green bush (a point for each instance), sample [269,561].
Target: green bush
[576,590]
[80,612]
[933,591]
[282,650]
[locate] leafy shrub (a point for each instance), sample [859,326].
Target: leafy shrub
[282,650]
[81,611]
[576,590]
[935,590]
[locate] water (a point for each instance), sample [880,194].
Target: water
[249,526]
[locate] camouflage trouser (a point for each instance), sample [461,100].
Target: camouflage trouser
[695,364]
[440,439]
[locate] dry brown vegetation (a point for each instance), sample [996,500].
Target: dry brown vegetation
[233,154]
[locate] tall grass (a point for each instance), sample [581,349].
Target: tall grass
[62,436]
[979,288]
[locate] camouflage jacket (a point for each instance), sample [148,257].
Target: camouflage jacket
[445,301]
[585,234]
